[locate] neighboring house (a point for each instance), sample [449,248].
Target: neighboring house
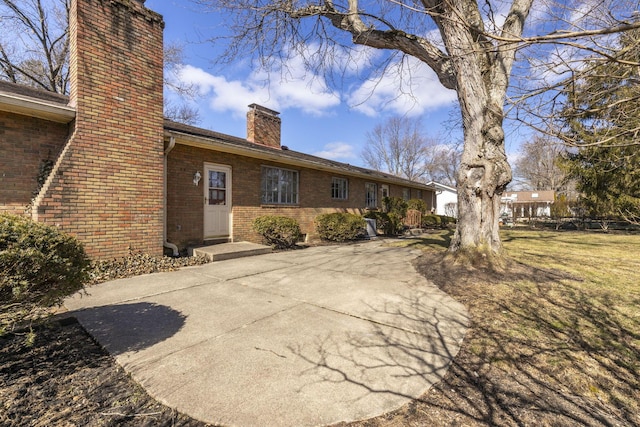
[445,199]
[527,204]
[105,166]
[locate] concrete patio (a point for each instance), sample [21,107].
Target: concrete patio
[306,337]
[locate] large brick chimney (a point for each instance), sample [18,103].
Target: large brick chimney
[263,126]
[107,185]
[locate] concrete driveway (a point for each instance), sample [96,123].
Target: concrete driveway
[301,338]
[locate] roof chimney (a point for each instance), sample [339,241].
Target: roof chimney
[263,126]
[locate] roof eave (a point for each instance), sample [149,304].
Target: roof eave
[32,107]
[211,143]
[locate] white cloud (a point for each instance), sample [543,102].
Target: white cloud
[410,87]
[298,90]
[356,59]
[337,151]
[553,65]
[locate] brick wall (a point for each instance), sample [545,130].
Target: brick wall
[185,201]
[107,186]
[28,144]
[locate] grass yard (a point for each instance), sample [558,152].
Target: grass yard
[554,338]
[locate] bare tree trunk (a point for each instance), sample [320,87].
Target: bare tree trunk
[482,79]
[484,171]
[482,178]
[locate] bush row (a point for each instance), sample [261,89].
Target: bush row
[284,232]
[40,265]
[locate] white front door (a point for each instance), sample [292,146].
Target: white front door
[217,201]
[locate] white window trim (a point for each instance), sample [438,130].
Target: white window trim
[346,188]
[375,195]
[295,192]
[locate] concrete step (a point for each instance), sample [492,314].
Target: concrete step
[233,250]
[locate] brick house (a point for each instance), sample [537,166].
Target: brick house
[104,165]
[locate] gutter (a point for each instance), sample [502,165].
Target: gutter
[165,243]
[27,106]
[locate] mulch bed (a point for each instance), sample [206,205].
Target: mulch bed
[66,379]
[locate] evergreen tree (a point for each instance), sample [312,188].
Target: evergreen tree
[603,117]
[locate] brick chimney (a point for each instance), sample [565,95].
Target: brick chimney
[107,186]
[263,126]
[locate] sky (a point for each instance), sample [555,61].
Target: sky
[316,118]
[333,123]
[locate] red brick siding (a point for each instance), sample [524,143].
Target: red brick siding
[25,144]
[107,188]
[185,201]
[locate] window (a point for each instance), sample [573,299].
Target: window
[406,194]
[279,186]
[217,188]
[339,188]
[371,194]
[419,194]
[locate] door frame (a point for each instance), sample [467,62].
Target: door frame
[229,200]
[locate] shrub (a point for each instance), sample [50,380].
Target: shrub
[395,206]
[417,204]
[396,209]
[340,227]
[445,220]
[431,221]
[39,266]
[281,232]
[389,223]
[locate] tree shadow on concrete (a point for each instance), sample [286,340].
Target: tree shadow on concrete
[541,350]
[407,347]
[122,328]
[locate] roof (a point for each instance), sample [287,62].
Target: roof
[33,92]
[442,187]
[190,135]
[545,196]
[15,98]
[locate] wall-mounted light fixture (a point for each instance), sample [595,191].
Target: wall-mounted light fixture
[196,178]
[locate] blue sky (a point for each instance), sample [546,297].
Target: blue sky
[316,118]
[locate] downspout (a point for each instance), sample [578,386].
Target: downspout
[166,244]
[434,199]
